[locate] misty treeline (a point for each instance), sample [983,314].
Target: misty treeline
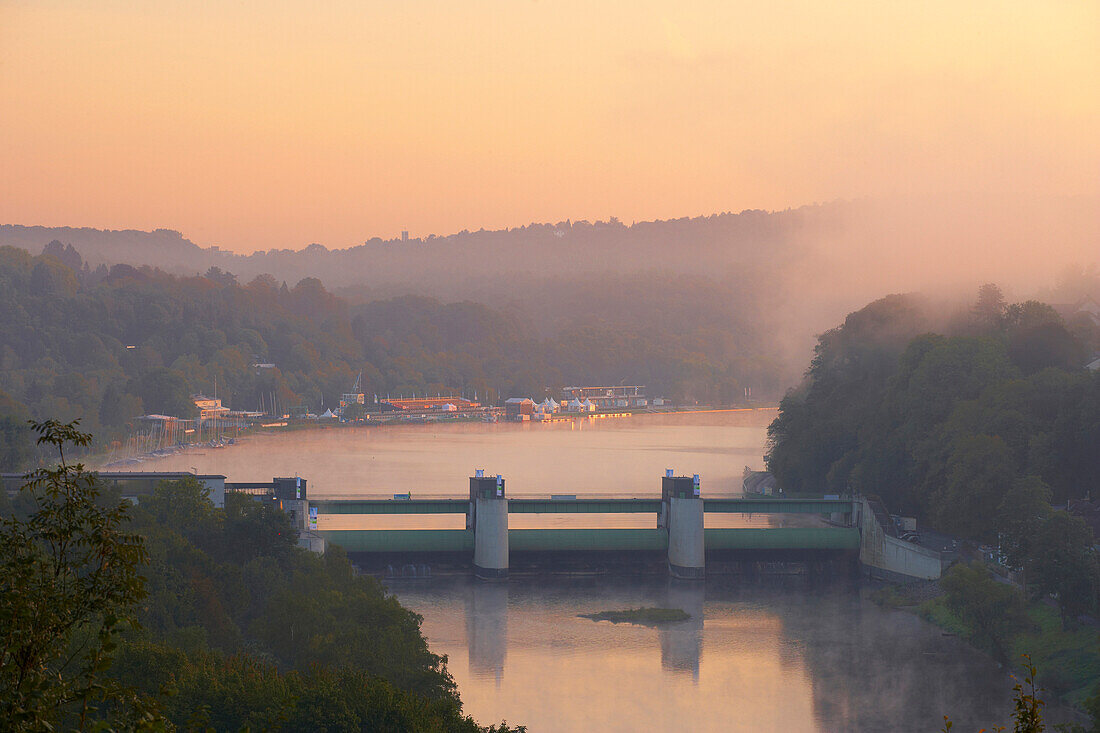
[109,344]
[907,403]
[450,265]
[173,613]
[976,423]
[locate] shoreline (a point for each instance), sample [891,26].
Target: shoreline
[924,599]
[99,461]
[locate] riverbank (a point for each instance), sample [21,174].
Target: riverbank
[1068,660]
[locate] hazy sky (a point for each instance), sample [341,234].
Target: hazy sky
[275,124]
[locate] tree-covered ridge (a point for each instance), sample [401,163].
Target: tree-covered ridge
[176,614]
[699,244]
[108,344]
[898,401]
[976,431]
[249,629]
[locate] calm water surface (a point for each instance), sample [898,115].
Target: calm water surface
[586,457]
[624,456]
[769,654]
[772,654]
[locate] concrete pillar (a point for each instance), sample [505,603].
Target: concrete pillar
[489,510]
[685,538]
[683,514]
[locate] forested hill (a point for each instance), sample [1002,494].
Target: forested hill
[106,345]
[701,245]
[945,418]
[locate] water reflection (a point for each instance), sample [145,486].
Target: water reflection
[624,457]
[682,643]
[487,629]
[780,654]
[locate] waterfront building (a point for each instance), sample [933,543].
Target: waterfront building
[209,407]
[606,398]
[426,404]
[519,408]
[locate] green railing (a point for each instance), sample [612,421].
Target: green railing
[594,540]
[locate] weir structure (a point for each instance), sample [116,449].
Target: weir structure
[679,533]
[682,516]
[488,519]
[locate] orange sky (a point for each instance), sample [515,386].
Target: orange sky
[276,124]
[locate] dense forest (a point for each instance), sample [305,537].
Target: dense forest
[699,245]
[978,430]
[173,613]
[913,406]
[109,344]
[834,250]
[982,424]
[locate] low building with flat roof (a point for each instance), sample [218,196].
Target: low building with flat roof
[519,408]
[608,398]
[423,404]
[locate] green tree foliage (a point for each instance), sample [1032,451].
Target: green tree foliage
[161,391]
[107,346]
[813,441]
[354,411]
[975,432]
[989,310]
[989,609]
[249,630]
[1037,338]
[1064,564]
[977,475]
[1021,514]
[896,430]
[69,581]
[16,441]
[175,613]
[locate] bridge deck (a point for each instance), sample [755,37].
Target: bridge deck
[520,540]
[763,505]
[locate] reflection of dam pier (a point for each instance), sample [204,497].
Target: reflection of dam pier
[487,628]
[486,605]
[682,643]
[678,538]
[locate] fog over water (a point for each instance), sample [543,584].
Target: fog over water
[770,653]
[767,652]
[586,456]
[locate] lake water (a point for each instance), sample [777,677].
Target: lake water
[770,653]
[585,457]
[620,456]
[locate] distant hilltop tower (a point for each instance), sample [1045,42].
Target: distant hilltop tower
[404,235]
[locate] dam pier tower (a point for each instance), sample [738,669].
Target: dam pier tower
[682,516]
[488,518]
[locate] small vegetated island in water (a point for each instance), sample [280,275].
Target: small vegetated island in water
[641,616]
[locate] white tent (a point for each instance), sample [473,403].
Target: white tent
[588,406]
[327,414]
[576,405]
